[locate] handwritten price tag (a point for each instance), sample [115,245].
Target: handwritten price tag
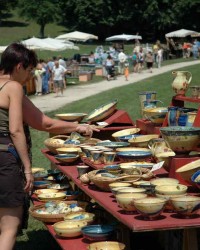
[157,166]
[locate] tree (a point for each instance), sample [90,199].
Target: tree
[41,11]
[5,8]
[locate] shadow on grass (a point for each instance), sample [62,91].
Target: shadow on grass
[37,240]
[13,24]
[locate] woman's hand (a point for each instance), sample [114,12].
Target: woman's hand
[29,181]
[86,130]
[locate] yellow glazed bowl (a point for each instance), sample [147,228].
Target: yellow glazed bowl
[73,150]
[164,181]
[156,115]
[80,216]
[124,132]
[186,205]
[69,228]
[51,196]
[71,116]
[106,245]
[171,189]
[150,207]
[125,200]
[142,141]
[188,170]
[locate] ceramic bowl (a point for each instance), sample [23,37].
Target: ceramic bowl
[52,144]
[138,164]
[72,195]
[69,228]
[186,205]
[59,187]
[143,140]
[113,169]
[53,172]
[131,190]
[129,169]
[126,138]
[118,185]
[102,111]
[125,200]
[52,196]
[39,176]
[181,139]
[156,115]
[150,207]
[164,181]
[187,170]
[66,158]
[105,245]
[124,149]
[126,156]
[171,189]
[45,191]
[150,189]
[125,132]
[80,216]
[35,170]
[97,232]
[72,117]
[74,150]
[113,144]
[41,184]
[195,178]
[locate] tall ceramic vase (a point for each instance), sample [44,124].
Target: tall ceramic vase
[181,81]
[173,115]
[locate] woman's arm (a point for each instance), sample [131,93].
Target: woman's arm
[16,123]
[38,120]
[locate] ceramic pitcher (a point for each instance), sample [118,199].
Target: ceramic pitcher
[158,146]
[181,81]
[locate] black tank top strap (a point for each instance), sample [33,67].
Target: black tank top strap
[5,84]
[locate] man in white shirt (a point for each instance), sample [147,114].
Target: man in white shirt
[58,74]
[122,59]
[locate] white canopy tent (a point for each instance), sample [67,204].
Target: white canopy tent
[77,36]
[48,44]
[181,33]
[2,48]
[123,37]
[60,43]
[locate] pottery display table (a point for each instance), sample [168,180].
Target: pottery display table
[135,223]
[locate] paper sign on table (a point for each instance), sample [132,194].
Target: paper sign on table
[157,166]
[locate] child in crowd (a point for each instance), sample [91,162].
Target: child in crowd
[126,70]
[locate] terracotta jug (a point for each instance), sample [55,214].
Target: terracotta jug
[181,81]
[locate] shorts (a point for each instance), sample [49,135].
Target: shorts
[58,84]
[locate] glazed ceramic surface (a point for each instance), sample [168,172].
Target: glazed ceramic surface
[41,184]
[150,207]
[186,205]
[171,189]
[68,150]
[97,232]
[113,144]
[125,132]
[125,200]
[106,245]
[187,170]
[69,228]
[102,112]
[126,138]
[80,216]
[164,181]
[142,141]
[51,196]
[138,164]
[131,155]
[156,115]
[181,81]
[71,116]
[66,157]
[181,139]
[195,178]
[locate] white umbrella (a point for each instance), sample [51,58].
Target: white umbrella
[60,44]
[37,43]
[2,48]
[77,36]
[123,37]
[181,33]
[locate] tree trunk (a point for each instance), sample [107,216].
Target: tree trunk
[41,34]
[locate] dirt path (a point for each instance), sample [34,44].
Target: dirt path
[77,92]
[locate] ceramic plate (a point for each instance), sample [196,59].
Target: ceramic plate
[134,154]
[113,144]
[102,112]
[126,132]
[71,116]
